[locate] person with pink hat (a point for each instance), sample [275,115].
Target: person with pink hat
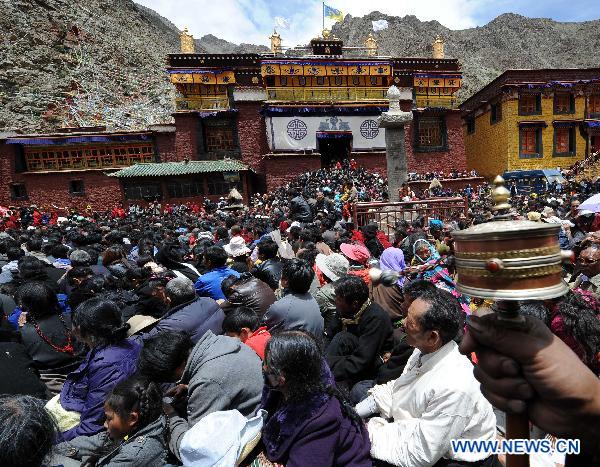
[358,255]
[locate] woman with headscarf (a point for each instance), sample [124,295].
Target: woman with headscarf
[391,298]
[431,269]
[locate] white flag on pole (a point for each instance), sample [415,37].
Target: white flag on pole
[380,25]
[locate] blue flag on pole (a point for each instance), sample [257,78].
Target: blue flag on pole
[332,13]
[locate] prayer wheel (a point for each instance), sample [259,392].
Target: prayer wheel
[507,259]
[510,261]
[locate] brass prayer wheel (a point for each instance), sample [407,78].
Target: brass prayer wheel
[508,259]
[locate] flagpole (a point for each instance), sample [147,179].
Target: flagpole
[323,14]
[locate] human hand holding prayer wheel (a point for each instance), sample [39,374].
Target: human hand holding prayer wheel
[510,261]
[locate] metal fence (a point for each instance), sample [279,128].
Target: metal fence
[386,215]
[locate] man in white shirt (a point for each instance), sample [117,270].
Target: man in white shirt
[436,399]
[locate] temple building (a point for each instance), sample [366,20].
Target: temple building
[287,113]
[533,119]
[247,121]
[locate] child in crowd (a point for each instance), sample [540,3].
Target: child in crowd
[244,323]
[135,425]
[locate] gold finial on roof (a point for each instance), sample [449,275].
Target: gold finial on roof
[276,42]
[438,48]
[326,33]
[371,45]
[188,46]
[500,195]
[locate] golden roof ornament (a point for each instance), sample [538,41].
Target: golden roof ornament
[276,46]
[371,45]
[188,45]
[500,195]
[326,33]
[438,48]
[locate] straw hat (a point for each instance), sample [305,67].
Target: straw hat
[139,323]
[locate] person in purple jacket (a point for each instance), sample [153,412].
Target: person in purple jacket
[111,359]
[309,422]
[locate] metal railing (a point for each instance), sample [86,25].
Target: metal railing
[203,103]
[326,93]
[386,215]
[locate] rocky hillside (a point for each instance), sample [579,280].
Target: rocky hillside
[509,41]
[87,63]
[101,62]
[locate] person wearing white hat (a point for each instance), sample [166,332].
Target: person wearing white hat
[238,253]
[332,267]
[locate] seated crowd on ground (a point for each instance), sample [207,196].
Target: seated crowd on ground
[133,337]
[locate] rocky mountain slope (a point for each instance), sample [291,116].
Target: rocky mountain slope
[101,62]
[509,41]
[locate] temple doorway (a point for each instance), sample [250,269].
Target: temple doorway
[334,147]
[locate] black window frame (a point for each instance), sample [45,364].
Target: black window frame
[495,112]
[538,103]
[15,196]
[73,186]
[471,125]
[572,142]
[143,191]
[185,189]
[571,104]
[443,130]
[539,143]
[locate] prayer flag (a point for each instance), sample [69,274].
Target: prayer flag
[332,13]
[380,24]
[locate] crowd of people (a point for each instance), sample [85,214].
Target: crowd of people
[211,334]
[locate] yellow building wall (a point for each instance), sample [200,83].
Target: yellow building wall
[486,147]
[510,114]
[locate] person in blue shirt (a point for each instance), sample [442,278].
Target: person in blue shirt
[209,284]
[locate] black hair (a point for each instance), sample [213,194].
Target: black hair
[298,274]
[79,272]
[268,249]
[60,251]
[228,283]
[163,354]
[136,393]
[241,317]
[297,357]
[351,289]
[444,314]
[581,321]
[221,233]
[100,320]
[27,431]
[417,288]
[216,255]
[308,253]
[37,300]
[34,244]
[13,253]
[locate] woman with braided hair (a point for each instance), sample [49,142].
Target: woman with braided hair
[111,358]
[136,429]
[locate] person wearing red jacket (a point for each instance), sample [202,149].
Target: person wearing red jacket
[244,323]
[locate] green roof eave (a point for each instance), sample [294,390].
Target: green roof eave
[169,169]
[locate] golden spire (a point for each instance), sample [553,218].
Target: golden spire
[500,195]
[276,47]
[371,45]
[188,46]
[438,48]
